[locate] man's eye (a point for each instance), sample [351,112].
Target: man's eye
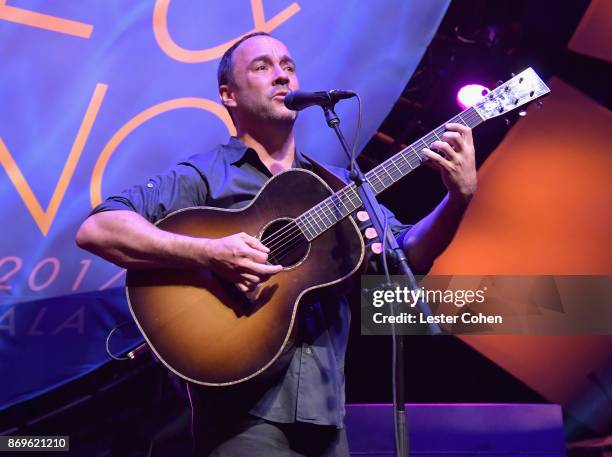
[290,68]
[260,67]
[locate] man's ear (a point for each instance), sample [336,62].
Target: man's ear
[227,96]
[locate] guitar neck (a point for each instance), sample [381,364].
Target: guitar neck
[342,203]
[396,167]
[521,89]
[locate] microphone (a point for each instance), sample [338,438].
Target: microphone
[298,100]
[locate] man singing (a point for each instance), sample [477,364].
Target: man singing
[296,409]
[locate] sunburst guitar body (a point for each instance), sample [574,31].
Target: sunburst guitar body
[205,330]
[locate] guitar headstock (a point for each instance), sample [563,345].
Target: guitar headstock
[521,89]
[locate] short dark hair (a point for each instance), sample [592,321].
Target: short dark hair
[224,71]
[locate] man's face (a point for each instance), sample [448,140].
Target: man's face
[263,73]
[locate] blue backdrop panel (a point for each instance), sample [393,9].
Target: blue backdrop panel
[49,342]
[95,96]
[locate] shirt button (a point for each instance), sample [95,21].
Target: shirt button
[150,185]
[308,350]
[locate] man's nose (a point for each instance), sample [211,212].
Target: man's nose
[280,76]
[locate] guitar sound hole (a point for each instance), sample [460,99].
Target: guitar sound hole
[287,244]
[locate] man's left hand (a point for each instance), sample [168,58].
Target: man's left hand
[455,160]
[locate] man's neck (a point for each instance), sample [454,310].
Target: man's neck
[276,149]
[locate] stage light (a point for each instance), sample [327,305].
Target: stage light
[468,95]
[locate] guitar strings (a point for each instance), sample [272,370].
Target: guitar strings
[288,238]
[283,241]
[376,174]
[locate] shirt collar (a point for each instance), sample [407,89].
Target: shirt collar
[236,149]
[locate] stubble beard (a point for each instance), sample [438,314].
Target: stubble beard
[265,111]
[281,113]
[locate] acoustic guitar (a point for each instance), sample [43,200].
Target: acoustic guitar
[206,331]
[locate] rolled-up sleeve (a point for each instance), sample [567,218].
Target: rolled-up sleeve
[180,187]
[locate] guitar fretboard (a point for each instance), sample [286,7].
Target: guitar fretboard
[336,207]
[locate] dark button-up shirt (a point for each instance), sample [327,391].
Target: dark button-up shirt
[229,176]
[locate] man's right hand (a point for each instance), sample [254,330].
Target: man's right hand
[241,259]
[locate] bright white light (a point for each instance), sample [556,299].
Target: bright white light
[470,94]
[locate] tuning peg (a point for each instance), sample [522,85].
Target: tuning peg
[376,248]
[539,104]
[506,121]
[512,75]
[522,113]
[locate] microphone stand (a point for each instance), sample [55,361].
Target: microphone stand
[401,266]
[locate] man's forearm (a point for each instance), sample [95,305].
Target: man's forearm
[428,238]
[130,241]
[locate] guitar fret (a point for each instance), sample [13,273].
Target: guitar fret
[341,195]
[303,227]
[352,195]
[405,166]
[355,196]
[345,209]
[315,215]
[370,178]
[414,155]
[418,156]
[332,207]
[310,234]
[403,156]
[339,205]
[461,119]
[389,169]
[329,211]
[308,223]
[322,214]
[374,185]
[312,228]
[376,175]
[389,174]
[398,169]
